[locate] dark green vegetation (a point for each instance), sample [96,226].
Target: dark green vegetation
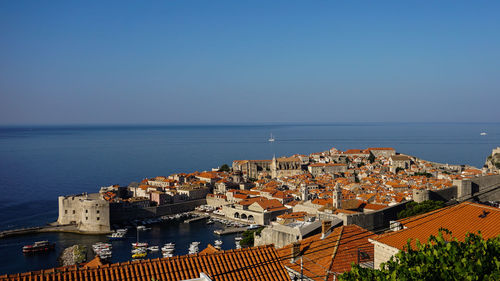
[429,175]
[439,259]
[80,254]
[248,237]
[414,208]
[371,158]
[224,168]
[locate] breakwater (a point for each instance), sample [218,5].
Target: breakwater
[40,229]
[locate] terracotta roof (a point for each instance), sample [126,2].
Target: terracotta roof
[323,258]
[459,219]
[400,158]
[327,165]
[270,204]
[375,206]
[209,250]
[257,263]
[95,262]
[380,148]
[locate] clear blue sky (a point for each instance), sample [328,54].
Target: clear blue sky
[104,62]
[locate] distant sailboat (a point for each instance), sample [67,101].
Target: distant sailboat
[271,139]
[483,134]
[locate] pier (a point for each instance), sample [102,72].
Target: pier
[200,217]
[230,230]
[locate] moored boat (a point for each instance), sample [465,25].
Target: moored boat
[39,246]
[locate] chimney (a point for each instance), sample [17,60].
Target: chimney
[295,251]
[325,228]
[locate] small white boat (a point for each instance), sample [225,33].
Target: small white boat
[138,250]
[271,139]
[483,134]
[139,245]
[153,249]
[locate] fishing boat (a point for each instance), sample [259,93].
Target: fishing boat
[39,246]
[483,134]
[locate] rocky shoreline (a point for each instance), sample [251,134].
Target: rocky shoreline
[73,255]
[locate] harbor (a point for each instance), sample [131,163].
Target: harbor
[159,234]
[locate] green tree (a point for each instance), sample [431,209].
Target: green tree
[248,237]
[371,158]
[224,168]
[414,208]
[439,259]
[399,169]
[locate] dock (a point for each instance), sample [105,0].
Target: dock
[230,230]
[201,217]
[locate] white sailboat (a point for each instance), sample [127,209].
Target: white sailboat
[271,139]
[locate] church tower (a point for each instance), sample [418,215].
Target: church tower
[304,192]
[337,196]
[274,167]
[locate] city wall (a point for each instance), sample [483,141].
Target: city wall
[376,220]
[486,188]
[118,213]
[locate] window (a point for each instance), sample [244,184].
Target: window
[87,218]
[98,211]
[86,211]
[65,211]
[97,218]
[73,212]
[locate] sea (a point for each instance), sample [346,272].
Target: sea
[40,163]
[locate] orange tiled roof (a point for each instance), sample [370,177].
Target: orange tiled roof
[257,263]
[323,258]
[380,148]
[459,219]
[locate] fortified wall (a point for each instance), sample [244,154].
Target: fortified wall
[87,211]
[485,188]
[375,220]
[93,215]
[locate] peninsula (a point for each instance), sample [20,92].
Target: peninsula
[333,184]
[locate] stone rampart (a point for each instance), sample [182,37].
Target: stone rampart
[376,220]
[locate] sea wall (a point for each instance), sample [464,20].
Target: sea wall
[119,213]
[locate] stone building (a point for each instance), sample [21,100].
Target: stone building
[255,210]
[89,212]
[277,167]
[399,161]
[286,167]
[382,151]
[317,169]
[284,234]
[252,168]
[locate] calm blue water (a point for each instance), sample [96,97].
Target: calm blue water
[39,163]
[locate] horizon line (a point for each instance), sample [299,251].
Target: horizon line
[269,123]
